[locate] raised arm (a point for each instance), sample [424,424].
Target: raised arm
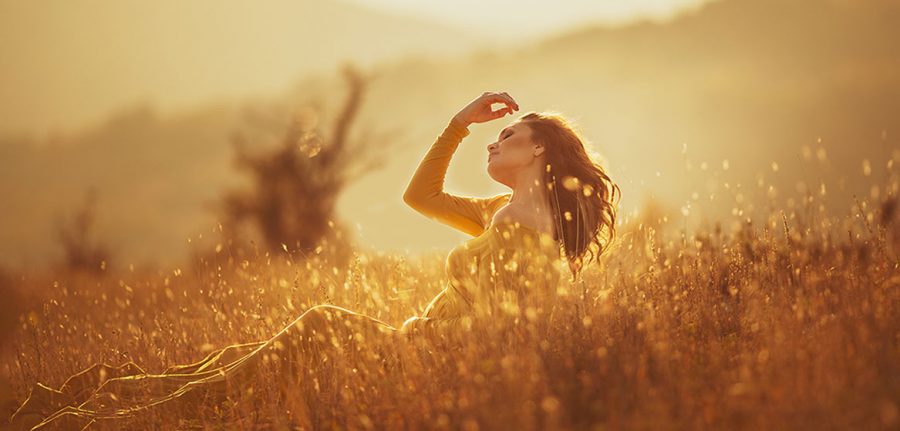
[425,192]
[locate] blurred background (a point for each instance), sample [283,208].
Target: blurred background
[131,132]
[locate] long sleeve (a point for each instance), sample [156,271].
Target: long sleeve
[425,192]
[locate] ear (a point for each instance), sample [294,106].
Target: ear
[538,150]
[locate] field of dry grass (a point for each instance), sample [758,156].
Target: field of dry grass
[788,324]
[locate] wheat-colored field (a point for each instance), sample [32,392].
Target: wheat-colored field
[791,323]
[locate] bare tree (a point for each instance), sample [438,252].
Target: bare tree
[82,252]
[296,185]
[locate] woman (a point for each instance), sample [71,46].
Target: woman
[560,199]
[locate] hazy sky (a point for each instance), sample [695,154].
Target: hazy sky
[512,20]
[68,64]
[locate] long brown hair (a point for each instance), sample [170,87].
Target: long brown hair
[582,196]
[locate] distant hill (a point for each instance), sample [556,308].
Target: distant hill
[739,84]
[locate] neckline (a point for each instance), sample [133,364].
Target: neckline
[520,226]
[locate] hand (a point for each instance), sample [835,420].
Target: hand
[480,111]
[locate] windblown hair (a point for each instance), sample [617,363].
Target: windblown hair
[582,196]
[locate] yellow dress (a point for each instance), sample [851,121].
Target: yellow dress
[506,269]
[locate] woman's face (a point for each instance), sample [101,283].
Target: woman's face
[512,152]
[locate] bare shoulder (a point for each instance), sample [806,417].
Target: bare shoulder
[494,204]
[509,213]
[512,214]
[527,218]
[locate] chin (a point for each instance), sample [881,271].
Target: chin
[495,175]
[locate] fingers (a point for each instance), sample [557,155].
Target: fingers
[501,112]
[503,98]
[515,104]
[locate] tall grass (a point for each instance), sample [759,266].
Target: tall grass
[788,323]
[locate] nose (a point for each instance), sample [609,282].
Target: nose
[491,147]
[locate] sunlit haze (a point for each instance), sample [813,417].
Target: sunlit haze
[519,21]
